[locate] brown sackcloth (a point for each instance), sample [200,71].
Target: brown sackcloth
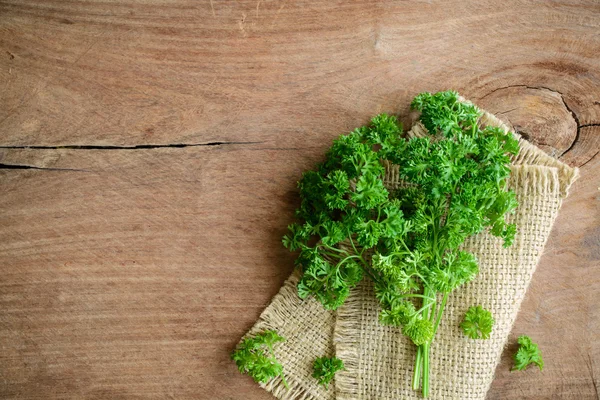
[379,359]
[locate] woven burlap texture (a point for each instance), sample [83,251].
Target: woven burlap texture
[379,359]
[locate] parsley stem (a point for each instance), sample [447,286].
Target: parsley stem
[425,282]
[422,296]
[425,389]
[345,259]
[439,316]
[352,243]
[331,254]
[359,254]
[400,253]
[425,352]
[427,299]
[417,371]
[423,308]
[433,310]
[335,249]
[405,246]
[368,271]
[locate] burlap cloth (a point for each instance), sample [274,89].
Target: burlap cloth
[379,359]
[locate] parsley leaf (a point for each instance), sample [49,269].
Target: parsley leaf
[478,323]
[528,353]
[324,369]
[255,356]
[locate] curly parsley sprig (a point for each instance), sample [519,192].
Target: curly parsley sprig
[324,369]
[478,323]
[405,240]
[528,353]
[255,356]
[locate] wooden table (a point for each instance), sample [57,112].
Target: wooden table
[149,154]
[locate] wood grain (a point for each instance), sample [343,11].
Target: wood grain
[148,158]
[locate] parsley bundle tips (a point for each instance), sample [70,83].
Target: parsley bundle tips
[406,239]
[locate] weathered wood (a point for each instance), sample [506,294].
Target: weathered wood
[136,274]
[560,309]
[131,273]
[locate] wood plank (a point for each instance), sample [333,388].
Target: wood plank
[136,275]
[130,73]
[134,272]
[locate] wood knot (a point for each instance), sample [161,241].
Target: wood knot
[540,115]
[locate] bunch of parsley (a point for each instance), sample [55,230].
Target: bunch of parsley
[405,240]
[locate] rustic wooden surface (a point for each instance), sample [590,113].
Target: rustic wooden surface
[149,153]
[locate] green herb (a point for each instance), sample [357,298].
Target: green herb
[528,353]
[255,356]
[478,323]
[405,240]
[324,369]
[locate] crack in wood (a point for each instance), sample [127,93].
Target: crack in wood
[22,166]
[578,131]
[132,147]
[108,147]
[591,158]
[507,111]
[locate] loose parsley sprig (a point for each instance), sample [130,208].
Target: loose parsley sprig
[324,369]
[406,240]
[255,356]
[528,353]
[478,323]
